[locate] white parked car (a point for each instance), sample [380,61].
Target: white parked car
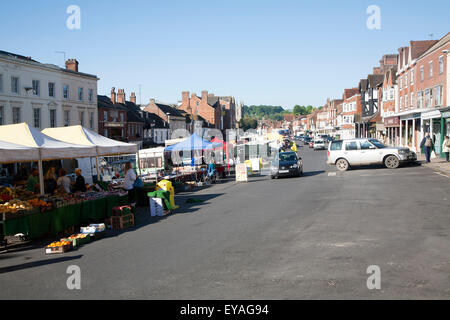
[319,144]
[355,152]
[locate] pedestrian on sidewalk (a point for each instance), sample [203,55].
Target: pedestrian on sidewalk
[428,145]
[446,147]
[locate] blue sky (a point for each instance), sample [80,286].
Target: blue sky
[262,52]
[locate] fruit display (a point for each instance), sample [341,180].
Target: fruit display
[14,206]
[58,244]
[58,247]
[39,204]
[7,193]
[78,239]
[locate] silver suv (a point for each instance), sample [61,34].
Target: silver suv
[356,152]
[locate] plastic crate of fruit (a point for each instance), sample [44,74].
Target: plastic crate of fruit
[58,247]
[79,239]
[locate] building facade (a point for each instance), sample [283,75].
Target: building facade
[45,95]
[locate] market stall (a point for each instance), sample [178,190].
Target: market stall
[49,148]
[189,166]
[83,136]
[24,212]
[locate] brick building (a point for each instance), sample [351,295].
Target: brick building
[407,72]
[432,92]
[218,112]
[167,113]
[120,119]
[389,107]
[351,109]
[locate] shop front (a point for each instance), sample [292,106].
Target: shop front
[410,131]
[431,123]
[392,130]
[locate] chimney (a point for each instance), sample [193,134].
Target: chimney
[113,95]
[121,96]
[72,64]
[152,101]
[205,96]
[133,97]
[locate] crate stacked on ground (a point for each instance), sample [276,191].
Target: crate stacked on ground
[122,218]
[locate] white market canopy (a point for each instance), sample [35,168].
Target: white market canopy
[11,152]
[82,136]
[49,148]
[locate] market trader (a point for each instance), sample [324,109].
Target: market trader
[32,183]
[80,183]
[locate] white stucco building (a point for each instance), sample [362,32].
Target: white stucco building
[45,95]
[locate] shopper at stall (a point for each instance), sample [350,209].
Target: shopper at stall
[80,183]
[130,178]
[63,183]
[33,183]
[50,181]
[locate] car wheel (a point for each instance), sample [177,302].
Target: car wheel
[391,162]
[342,165]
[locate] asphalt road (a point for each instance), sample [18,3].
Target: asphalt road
[296,238]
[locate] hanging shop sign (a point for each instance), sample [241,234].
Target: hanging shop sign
[392,122]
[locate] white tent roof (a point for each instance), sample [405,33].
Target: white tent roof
[82,136]
[11,152]
[49,148]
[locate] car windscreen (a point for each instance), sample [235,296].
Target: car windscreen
[377,143]
[288,157]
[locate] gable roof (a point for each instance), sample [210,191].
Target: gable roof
[105,102]
[419,47]
[169,110]
[375,79]
[157,121]
[439,43]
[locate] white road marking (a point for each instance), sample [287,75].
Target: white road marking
[441,174]
[331,174]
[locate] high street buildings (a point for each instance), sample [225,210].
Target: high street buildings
[45,95]
[406,96]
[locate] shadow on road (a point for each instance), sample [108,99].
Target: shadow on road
[143,217]
[312,173]
[37,264]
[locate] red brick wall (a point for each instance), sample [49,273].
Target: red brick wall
[194,103]
[438,78]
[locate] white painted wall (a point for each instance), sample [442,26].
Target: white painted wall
[27,101]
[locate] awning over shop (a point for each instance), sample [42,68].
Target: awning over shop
[11,152]
[83,136]
[49,148]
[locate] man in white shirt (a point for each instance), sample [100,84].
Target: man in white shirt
[130,178]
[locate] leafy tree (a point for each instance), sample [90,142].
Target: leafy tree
[248,123]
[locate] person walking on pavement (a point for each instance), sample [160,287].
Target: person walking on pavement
[446,147]
[428,145]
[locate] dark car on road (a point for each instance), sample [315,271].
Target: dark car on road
[286,164]
[306,140]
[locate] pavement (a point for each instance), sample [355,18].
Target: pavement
[312,237]
[438,164]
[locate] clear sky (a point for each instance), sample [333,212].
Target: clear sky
[262,52]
